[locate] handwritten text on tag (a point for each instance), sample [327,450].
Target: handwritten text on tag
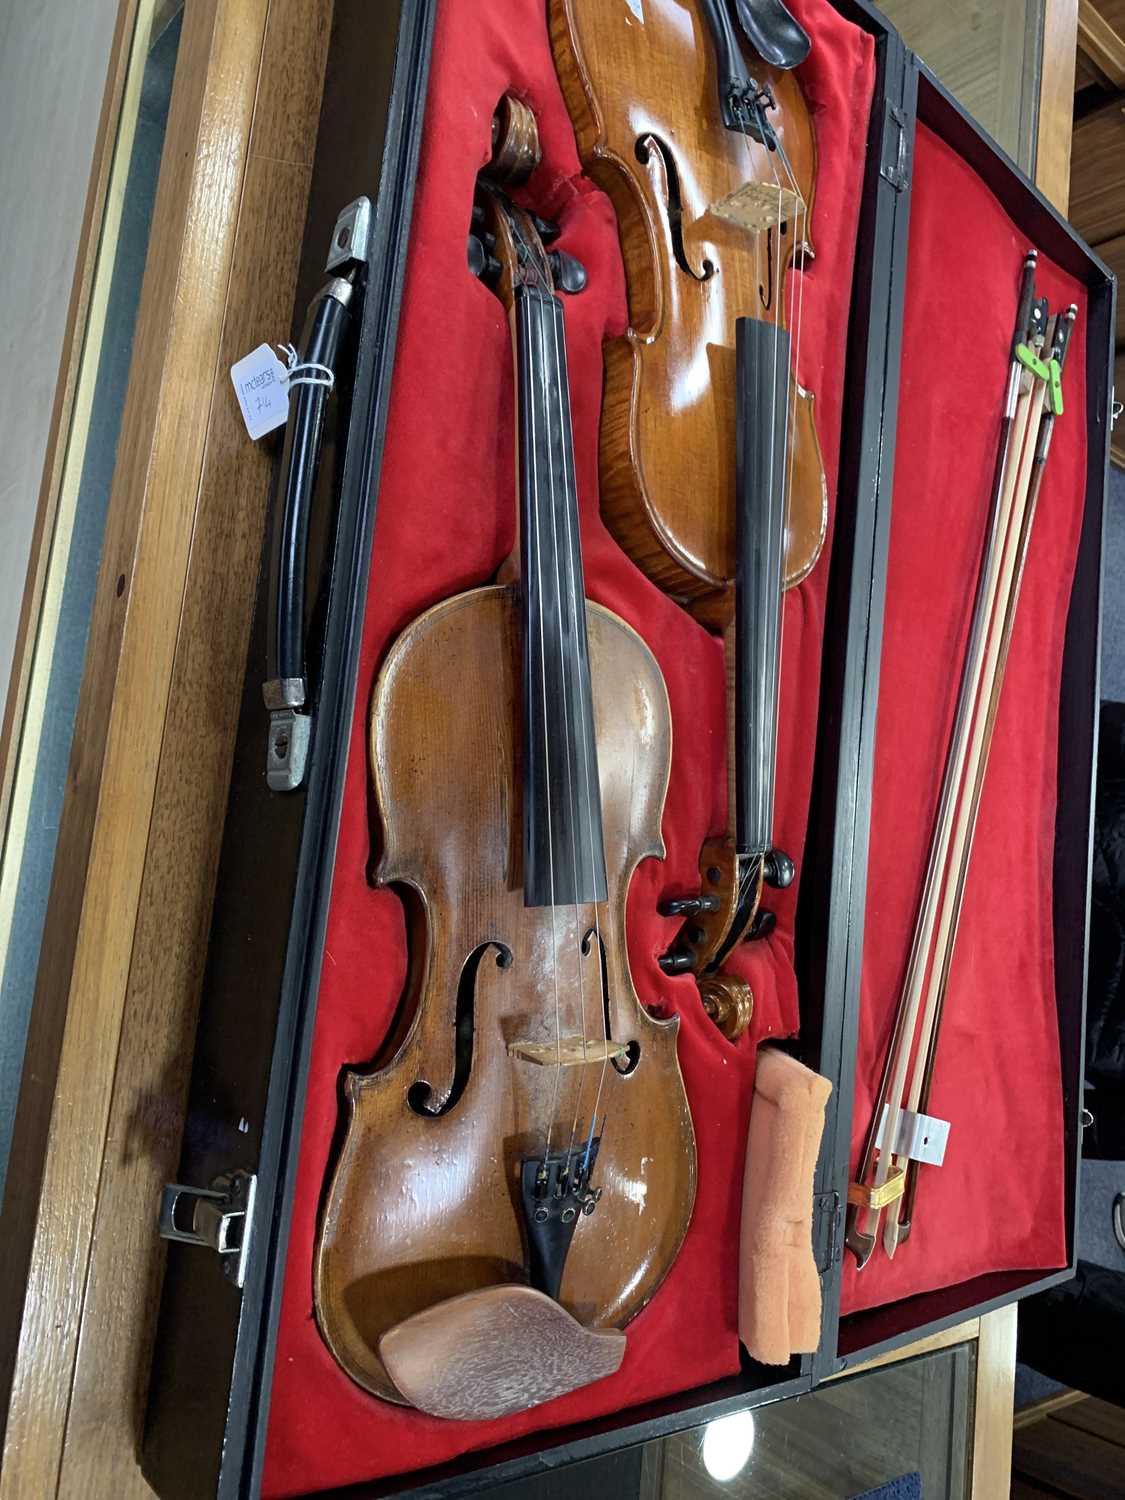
[259,383]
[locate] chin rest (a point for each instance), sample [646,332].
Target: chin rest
[495,1352]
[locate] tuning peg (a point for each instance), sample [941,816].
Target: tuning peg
[778,869]
[763,924]
[480,262]
[687,906]
[677,963]
[569,274]
[546,231]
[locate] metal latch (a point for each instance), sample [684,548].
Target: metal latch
[894,165]
[826,1229]
[351,236]
[220,1218]
[1115,407]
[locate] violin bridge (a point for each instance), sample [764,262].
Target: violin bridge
[759,205]
[568,1051]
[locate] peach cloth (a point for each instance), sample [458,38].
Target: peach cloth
[778,1285]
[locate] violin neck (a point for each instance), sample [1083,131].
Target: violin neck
[563,848]
[762,414]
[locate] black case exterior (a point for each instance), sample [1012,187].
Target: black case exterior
[209,1406]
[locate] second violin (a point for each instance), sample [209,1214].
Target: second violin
[712,477]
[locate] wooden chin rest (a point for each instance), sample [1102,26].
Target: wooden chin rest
[495,1352]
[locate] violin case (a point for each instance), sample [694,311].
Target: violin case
[920,224]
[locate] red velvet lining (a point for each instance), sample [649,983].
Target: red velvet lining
[997,1202]
[445,520]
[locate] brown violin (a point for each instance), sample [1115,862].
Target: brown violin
[528,1128]
[711,473]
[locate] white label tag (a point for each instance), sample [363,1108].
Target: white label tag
[919,1137]
[259,384]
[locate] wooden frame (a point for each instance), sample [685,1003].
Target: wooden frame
[101,1105]
[101,1109]
[994,1334]
[106,164]
[1056,101]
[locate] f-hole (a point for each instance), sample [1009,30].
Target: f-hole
[420,1095]
[765,293]
[626,1064]
[646,146]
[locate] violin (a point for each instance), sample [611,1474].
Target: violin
[711,473]
[529,1126]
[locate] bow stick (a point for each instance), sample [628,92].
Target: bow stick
[1030,484]
[880,1181]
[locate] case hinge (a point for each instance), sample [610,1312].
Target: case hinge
[220,1218]
[826,1229]
[895,166]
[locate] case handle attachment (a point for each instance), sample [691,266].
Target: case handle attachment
[323,339]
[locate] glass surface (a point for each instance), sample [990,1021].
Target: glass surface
[47,729]
[989,54]
[844,1440]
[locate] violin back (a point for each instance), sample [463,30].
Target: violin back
[641,85]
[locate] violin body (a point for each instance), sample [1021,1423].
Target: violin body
[642,89]
[424,1201]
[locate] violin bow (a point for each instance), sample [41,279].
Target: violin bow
[880,1180]
[1029,487]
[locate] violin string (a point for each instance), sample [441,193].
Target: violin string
[767,712]
[800,230]
[533,518]
[549,312]
[592,790]
[748,870]
[768,687]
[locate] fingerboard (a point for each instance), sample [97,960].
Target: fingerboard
[563,848]
[762,415]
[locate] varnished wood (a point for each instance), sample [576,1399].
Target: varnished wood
[961,1333]
[993,1407]
[729,1001]
[1092,1414]
[644,99]
[173,913]
[1056,101]
[495,1352]
[128,1014]
[1101,43]
[1067,1460]
[1097,188]
[444,745]
[1048,1406]
[668,420]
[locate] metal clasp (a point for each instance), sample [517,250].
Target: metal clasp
[826,1230]
[221,1219]
[352,235]
[288,749]
[896,170]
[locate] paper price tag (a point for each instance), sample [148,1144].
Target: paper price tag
[263,397]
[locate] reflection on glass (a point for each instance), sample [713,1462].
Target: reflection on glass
[91,447]
[988,53]
[727,1445]
[909,1421]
